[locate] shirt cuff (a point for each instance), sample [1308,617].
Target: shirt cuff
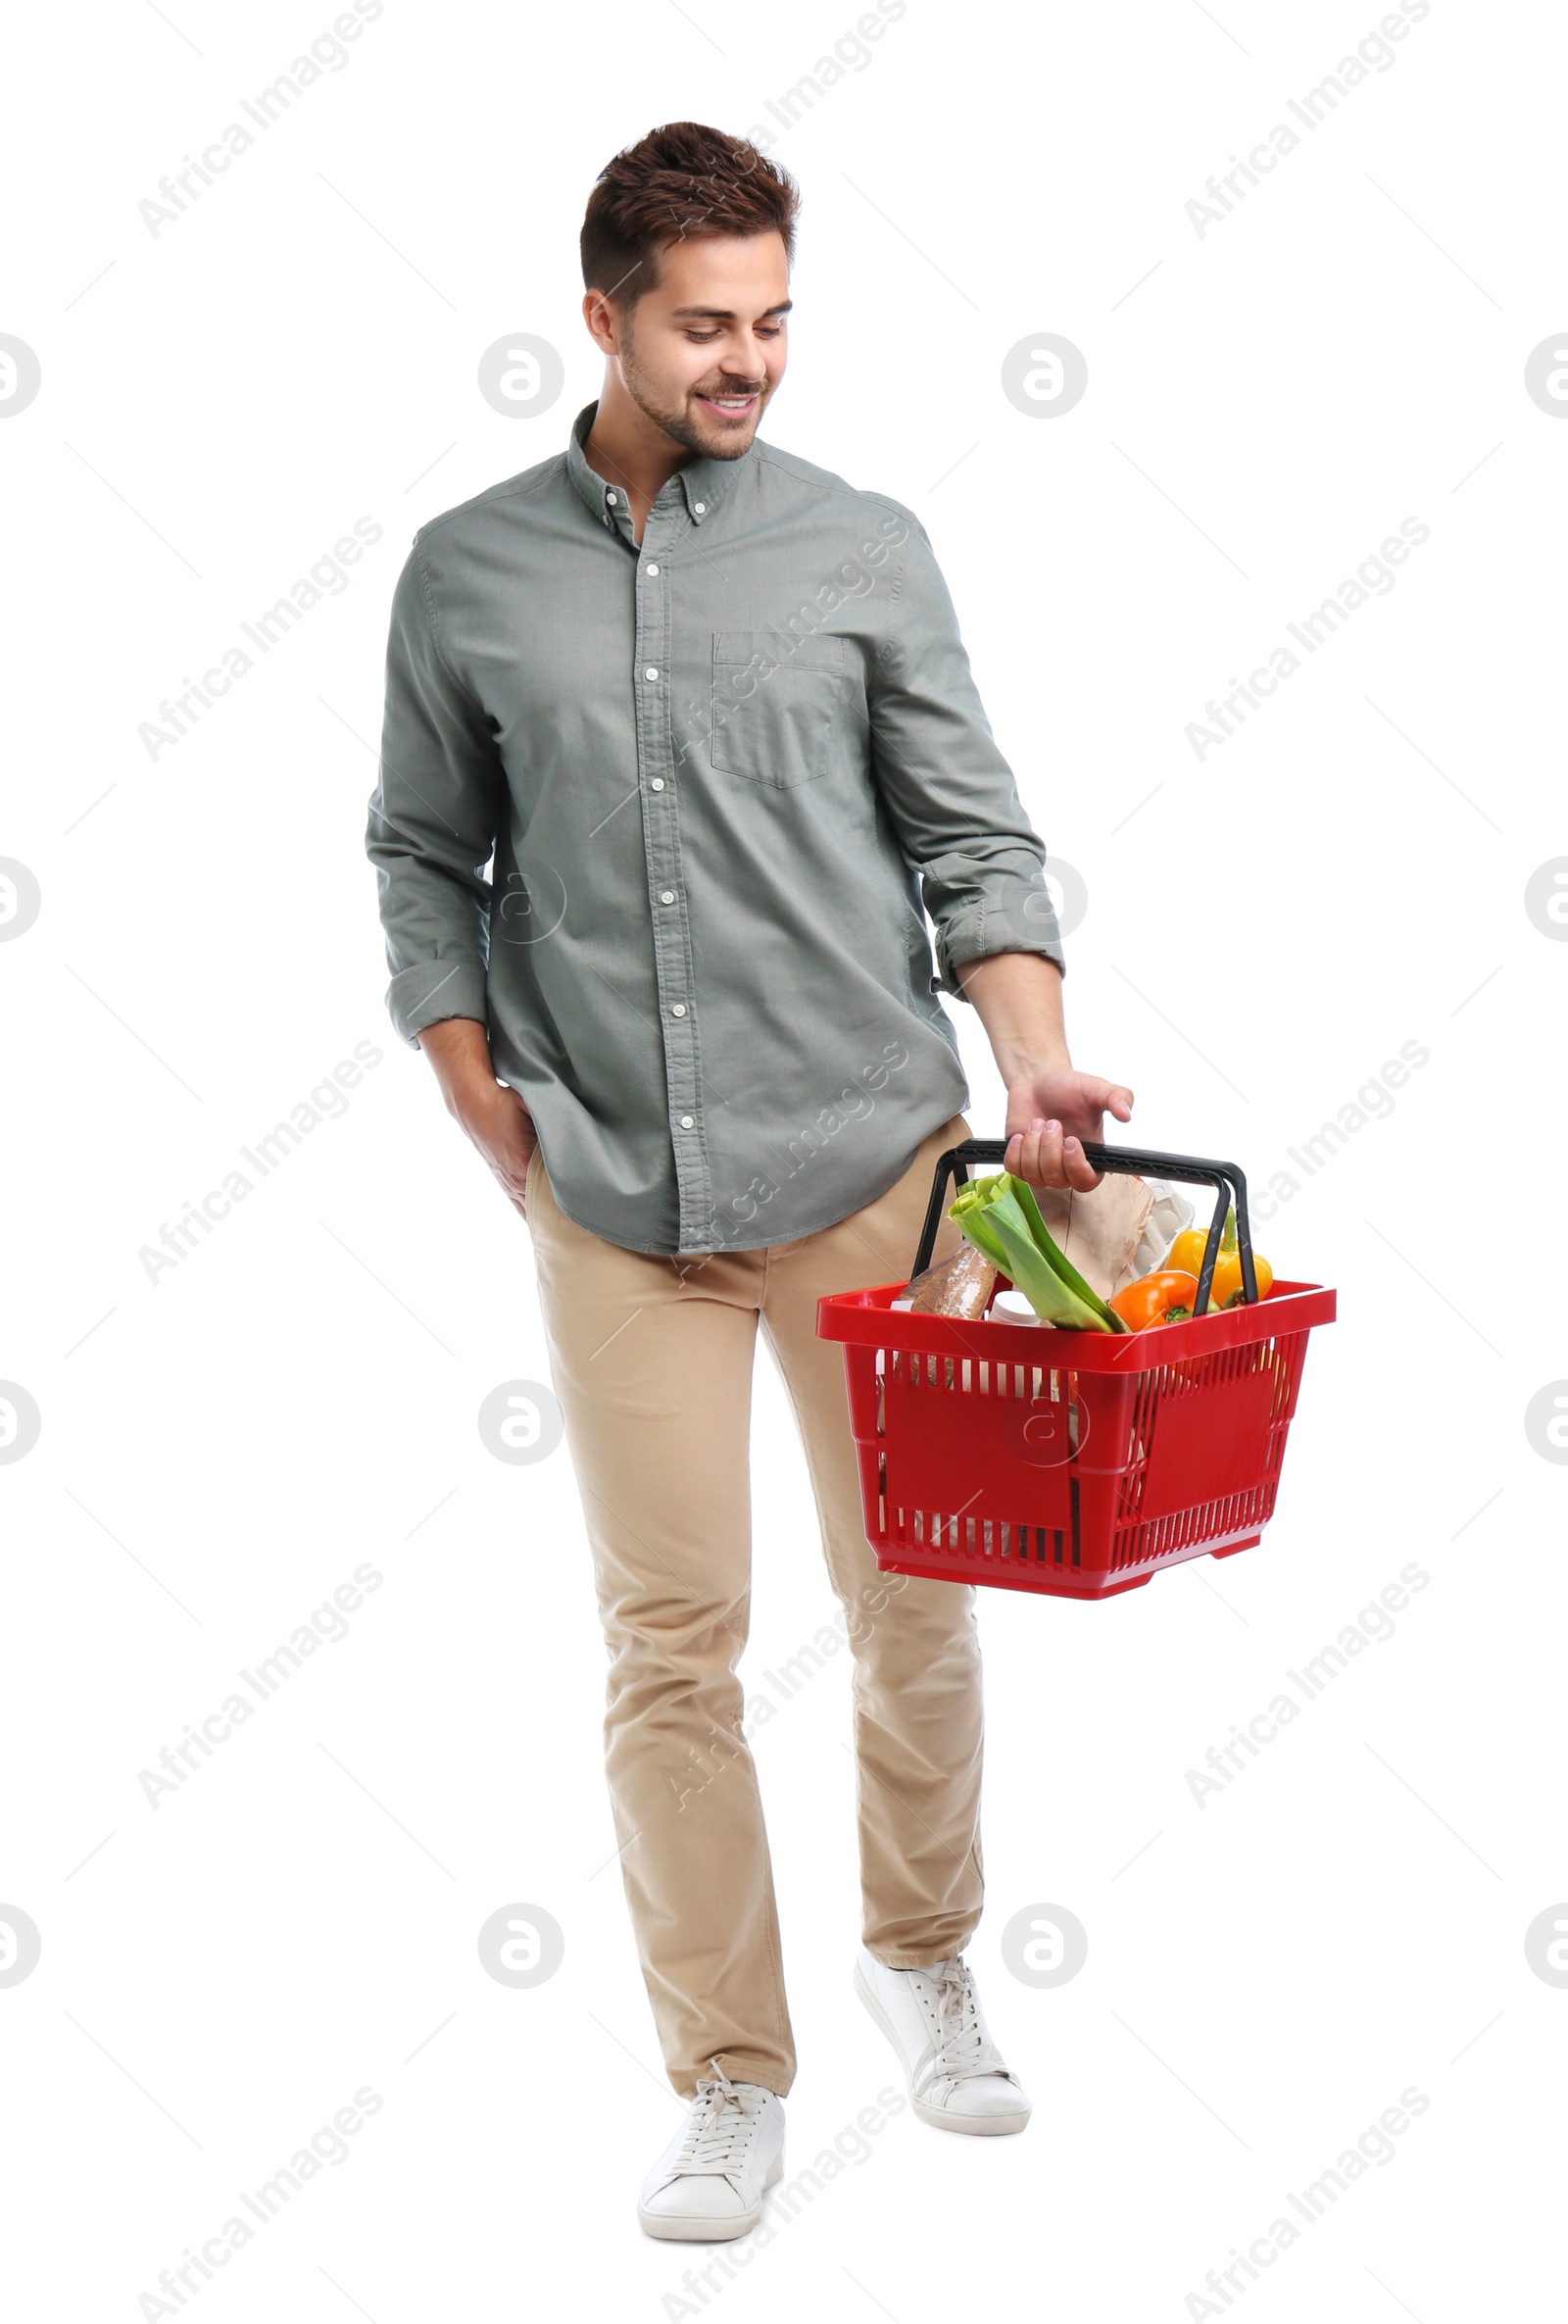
[430,990]
[1021,918]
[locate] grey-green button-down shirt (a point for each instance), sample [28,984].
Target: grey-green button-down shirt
[716,773]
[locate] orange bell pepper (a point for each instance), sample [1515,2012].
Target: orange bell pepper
[1166,1297]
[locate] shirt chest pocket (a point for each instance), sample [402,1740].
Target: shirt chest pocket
[784,706]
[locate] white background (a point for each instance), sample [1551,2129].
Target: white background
[1265,928]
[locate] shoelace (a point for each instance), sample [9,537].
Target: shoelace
[718,2130]
[961,2053]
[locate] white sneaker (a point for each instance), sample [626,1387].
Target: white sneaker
[958,2079]
[707,2185]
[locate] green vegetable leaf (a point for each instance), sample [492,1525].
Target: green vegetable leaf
[1001,1217]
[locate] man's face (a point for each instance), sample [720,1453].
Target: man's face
[703,352]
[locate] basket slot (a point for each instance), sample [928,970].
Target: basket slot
[1212,1521]
[1003,1540]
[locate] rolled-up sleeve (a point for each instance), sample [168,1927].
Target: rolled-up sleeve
[433,819]
[950,792]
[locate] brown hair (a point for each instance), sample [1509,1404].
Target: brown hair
[677,183]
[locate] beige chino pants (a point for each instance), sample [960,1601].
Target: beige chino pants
[651,1360]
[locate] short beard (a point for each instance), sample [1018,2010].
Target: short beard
[679,424]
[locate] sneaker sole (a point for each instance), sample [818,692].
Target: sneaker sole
[978,2126]
[693,2228]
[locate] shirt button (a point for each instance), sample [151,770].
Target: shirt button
[658,783]
[610,496]
[650,569]
[686,1123]
[700,505]
[669,896]
[679,1008]
[649,673]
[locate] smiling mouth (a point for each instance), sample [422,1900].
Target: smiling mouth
[733,407]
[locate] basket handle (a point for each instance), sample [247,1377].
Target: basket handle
[1132,1161]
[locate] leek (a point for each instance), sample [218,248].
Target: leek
[1001,1217]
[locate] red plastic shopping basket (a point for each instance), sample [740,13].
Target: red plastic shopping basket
[1072,1461]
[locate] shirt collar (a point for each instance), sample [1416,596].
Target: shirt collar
[703,481]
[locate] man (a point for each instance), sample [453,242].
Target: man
[708,707]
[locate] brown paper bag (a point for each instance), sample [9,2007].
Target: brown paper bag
[1101,1230]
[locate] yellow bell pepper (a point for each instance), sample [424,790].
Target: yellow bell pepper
[1187,1252]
